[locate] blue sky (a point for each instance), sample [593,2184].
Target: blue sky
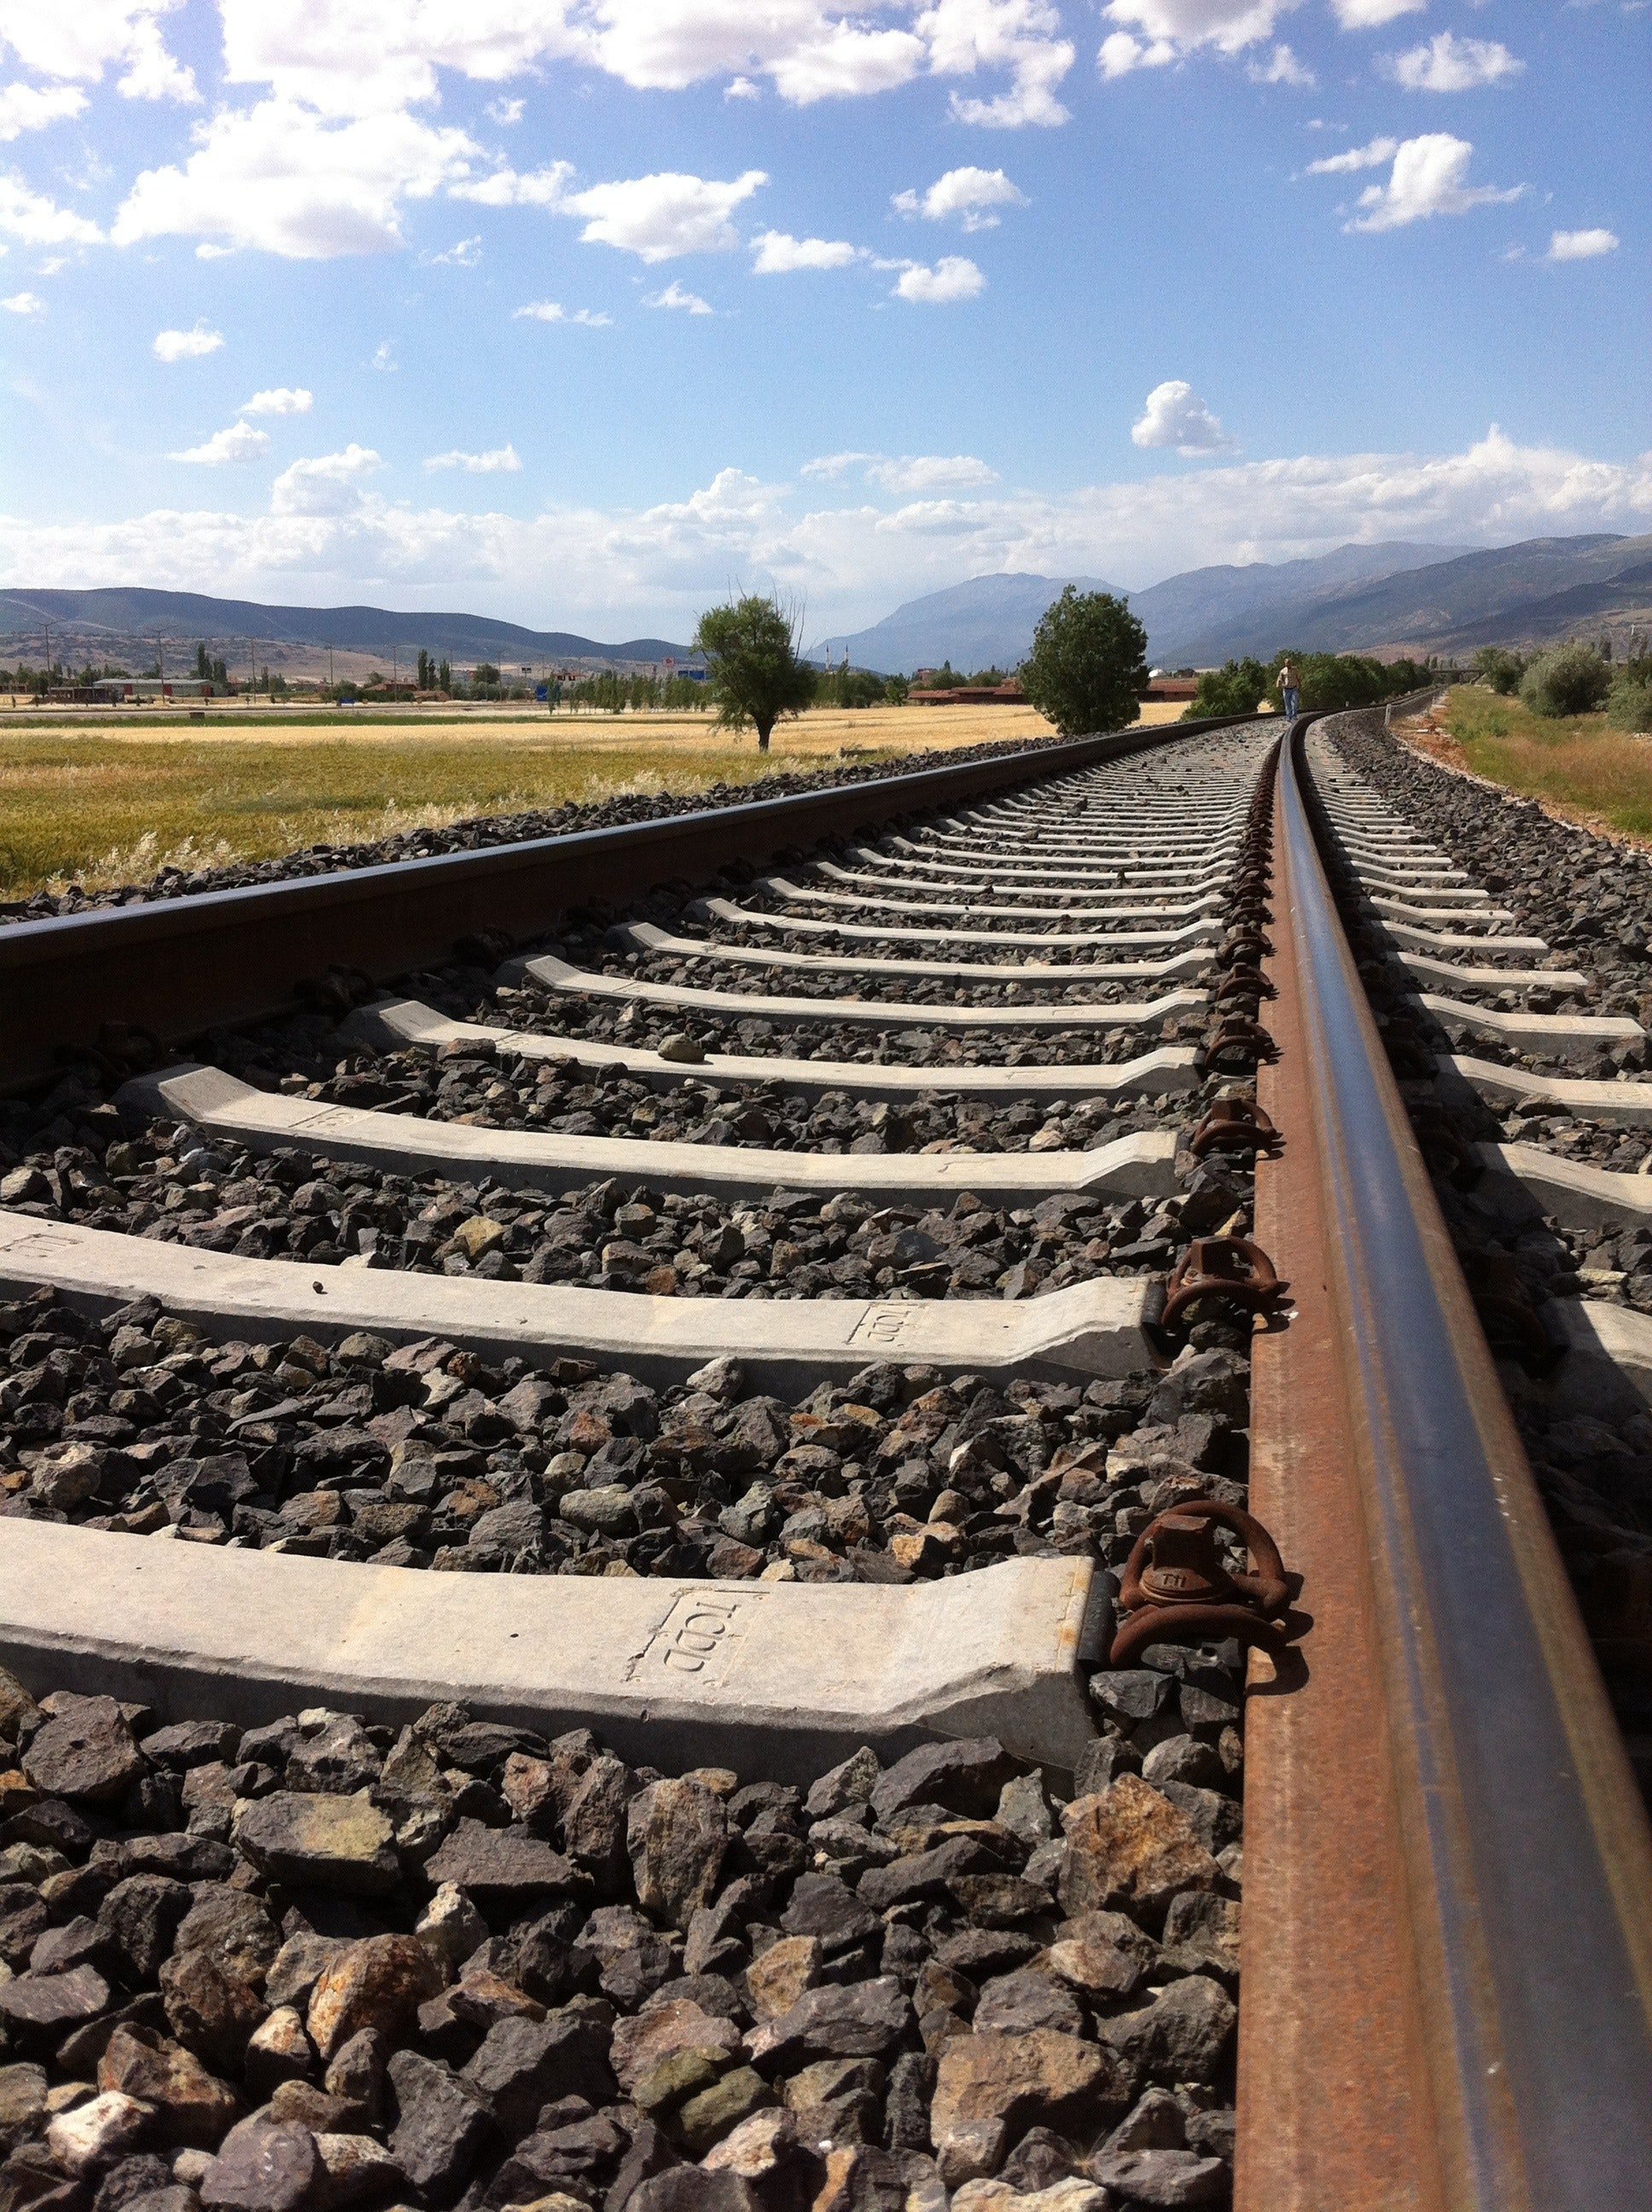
[579,312]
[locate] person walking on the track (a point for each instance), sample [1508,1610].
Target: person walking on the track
[1289,690]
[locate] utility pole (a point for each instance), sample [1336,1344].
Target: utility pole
[330,681]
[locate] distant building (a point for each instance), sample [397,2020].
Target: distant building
[112,689]
[1170,687]
[970,694]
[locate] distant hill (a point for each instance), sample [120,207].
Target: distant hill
[987,623]
[1208,615]
[1531,594]
[103,622]
[1391,597]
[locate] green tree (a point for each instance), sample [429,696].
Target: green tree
[445,677]
[754,663]
[896,690]
[1238,687]
[484,673]
[1088,664]
[1496,665]
[1573,679]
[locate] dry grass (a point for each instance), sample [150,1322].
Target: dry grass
[1577,768]
[107,803]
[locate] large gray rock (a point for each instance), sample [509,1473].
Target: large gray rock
[441,2125]
[85,1752]
[677,1835]
[263,2169]
[326,1842]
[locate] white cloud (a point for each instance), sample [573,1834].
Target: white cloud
[661,217]
[500,460]
[1357,157]
[1582,244]
[953,277]
[1429,178]
[384,358]
[1175,417]
[32,108]
[1371,14]
[327,485]
[350,57]
[675,295]
[279,179]
[1154,32]
[975,195]
[36,221]
[239,442]
[80,40]
[741,88]
[1283,67]
[552,311]
[777,253]
[505,113]
[281,399]
[1448,63]
[508,187]
[187,345]
[24,303]
[907,473]
[464,254]
[856,551]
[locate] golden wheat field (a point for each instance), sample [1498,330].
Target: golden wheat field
[103,802]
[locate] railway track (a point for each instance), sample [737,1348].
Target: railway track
[625,1551]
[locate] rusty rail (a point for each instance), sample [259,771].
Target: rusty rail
[1448,1876]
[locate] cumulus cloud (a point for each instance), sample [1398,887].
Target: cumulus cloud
[507,187]
[34,220]
[239,442]
[326,485]
[777,253]
[32,108]
[954,276]
[1448,63]
[505,113]
[1357,157]
[24,303]
[499,460]
[1430,177]
[383,54]
[677,296]
[79,41]
[552,311]
[1581,245]
[856,549]
[661,217]
[1371,15]
[1153,32]
[906,472]
[187,345]
[281,399]
[283,180]
[1175,416]
[1283,67]
[973,195]
[465,253]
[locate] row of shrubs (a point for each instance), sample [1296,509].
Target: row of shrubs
[1331,682]
[1573,679]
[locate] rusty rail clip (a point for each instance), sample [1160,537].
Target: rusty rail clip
[1231,1268]
[1236,1042]
[1177,1588]
[1244,981]
[1236,1124]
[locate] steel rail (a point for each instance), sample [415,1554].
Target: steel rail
[1448,1878]
[179,966]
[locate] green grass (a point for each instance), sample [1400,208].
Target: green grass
[1577,764]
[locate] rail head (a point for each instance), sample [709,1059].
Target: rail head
[1525,1869]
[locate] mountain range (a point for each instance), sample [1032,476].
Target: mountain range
[1392,598]
[97,624]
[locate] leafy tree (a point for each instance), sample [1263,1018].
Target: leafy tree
[445,677]
[1238,687]
[897,691]
[1629,704]
[988,675]
[1573,679]
[944,678]
[1503,670]
[1088,663]
[484,673]
[754,664]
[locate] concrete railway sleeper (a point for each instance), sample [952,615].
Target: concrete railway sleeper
[626,1576]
